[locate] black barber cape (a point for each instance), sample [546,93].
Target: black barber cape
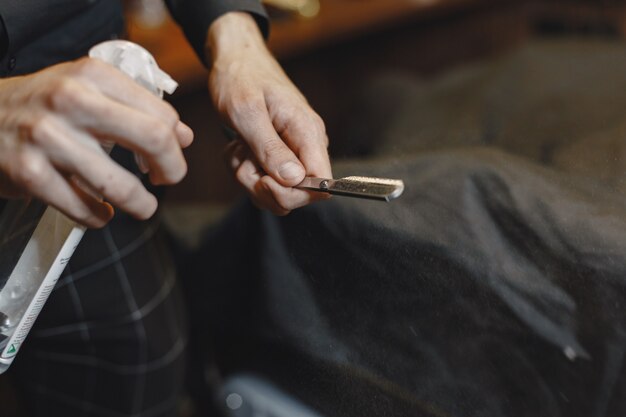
[494,287]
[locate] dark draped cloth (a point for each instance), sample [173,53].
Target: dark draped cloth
[495,286]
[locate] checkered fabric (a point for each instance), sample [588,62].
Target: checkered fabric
[111,339]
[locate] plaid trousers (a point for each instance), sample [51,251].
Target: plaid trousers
[111,339]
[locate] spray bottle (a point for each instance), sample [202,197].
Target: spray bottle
[36,241]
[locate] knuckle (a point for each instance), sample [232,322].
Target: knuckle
[246,105]
[311,121]
[320,128]
[284,116]
[325,141]
[160,138]
[174,175]
[271,149]
[240,175]
[125,193]
[181,173]
[324,138]
[170,116]
[86,67]
[39,131]
[64,95]
[30,171]
[319,122]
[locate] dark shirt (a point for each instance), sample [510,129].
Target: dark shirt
[195,17]
[38,33]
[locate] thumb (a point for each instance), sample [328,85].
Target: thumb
[274,156]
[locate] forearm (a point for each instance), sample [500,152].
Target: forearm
[235,32]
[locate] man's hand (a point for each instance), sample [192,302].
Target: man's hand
[282,139]
[52,125]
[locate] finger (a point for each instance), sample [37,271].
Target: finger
[268,200]
[316,160]
[39,178]
[306,135]
[274,156]
[268,193]
[131,128]
[121,88]
[185,135]
[102,211]
[67,151]
[249,175]
[143,166]
[288,198]
[234,154]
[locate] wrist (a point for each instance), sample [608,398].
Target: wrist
[232,32]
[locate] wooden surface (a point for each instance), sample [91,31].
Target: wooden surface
[337,21]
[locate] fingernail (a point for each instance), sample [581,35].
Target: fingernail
[142,164]
[291,171]
[109,210]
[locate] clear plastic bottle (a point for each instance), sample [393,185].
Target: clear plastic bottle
[36,241]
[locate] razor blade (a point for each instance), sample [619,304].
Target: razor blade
[383,189]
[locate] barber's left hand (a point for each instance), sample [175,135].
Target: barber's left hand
[281,139]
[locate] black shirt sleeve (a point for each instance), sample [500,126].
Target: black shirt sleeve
[195,17]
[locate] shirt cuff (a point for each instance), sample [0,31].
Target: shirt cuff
[195,17]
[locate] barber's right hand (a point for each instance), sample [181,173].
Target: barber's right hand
[52,124]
